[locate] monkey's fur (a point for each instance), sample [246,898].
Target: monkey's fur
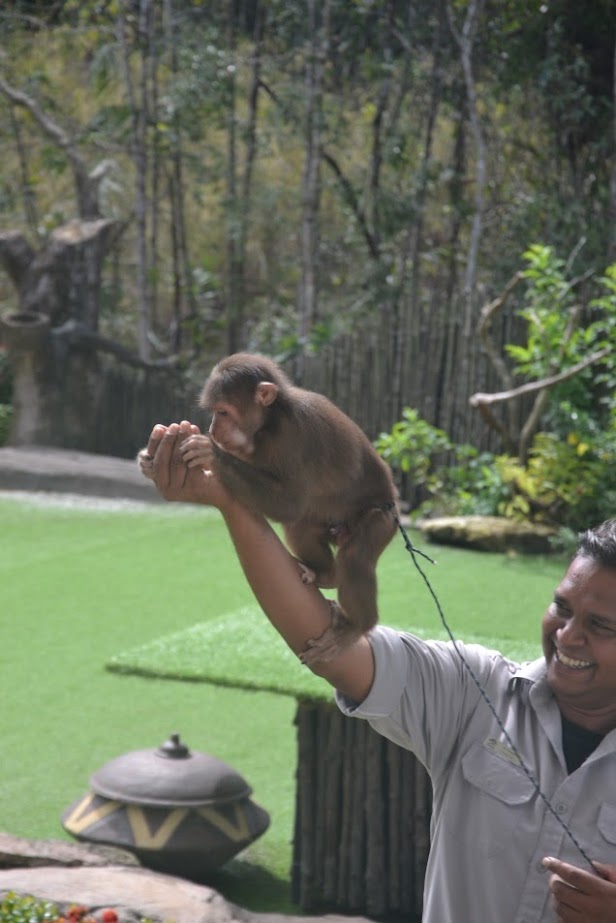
[307,465]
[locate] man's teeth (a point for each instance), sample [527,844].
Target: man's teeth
[570,662]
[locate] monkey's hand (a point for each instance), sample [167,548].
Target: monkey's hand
[146,463]
[197,452]
[307,574]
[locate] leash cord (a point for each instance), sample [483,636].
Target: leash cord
[413,553]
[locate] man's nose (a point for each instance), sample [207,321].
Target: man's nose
[572,632]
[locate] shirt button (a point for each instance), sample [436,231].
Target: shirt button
[561,808]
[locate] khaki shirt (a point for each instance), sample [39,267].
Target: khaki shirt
[490,828]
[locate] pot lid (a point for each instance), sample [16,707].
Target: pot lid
[171,775]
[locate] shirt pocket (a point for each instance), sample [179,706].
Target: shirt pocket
[604,845]
[489,800]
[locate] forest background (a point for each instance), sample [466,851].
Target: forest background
[410,203]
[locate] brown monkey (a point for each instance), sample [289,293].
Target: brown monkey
[294,457]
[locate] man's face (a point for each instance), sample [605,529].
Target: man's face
[579,643]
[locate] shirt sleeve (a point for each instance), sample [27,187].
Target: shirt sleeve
[422,693]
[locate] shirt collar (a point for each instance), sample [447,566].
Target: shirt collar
[534,671]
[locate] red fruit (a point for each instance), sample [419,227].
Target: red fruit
[109,916]
[76,912]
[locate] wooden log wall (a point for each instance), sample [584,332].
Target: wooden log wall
[97,403]
[362,821]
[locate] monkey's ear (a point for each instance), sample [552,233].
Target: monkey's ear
[266,393]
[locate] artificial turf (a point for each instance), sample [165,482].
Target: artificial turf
[82,588]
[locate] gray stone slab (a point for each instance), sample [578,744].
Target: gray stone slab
[42,468]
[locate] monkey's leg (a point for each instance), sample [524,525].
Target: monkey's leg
[356,611]
[310,543]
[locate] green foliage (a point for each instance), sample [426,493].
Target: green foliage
[6,378]
[604,331]
[6,394]
[16,909]
[473,486]
[569,482]
[554,339]
[6,415]
[546,312]
[569,479]
[458,479]
[411,445]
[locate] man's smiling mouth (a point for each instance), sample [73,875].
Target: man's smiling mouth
[570,662]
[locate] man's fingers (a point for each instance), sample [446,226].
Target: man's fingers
[155,437]
[571,874]
[164,449]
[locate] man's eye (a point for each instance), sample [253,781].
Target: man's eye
[605,628]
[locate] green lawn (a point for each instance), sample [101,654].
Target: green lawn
[82,588]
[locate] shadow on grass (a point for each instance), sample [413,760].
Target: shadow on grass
[253,887]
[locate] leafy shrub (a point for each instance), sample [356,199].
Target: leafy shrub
[6,377]
[17,909]
[411,445]
[458,479]
[569,479]
[568,482]
[6,415]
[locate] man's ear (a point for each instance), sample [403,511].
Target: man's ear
[266,393]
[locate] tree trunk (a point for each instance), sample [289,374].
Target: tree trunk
[611,256]
[140,114]
[362,823]
[311,181]
[58,292]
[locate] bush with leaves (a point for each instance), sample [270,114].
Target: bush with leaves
[411,446]
[567,482]
[6,415]
[569,479]
[456,479]
[15,908]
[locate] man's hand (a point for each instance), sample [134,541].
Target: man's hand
[197,451]
[163,462]
[579,896]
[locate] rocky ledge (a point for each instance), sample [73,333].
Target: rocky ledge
[489,533]
[102,877]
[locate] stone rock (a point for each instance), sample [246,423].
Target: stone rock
[18,852]
[488,533]
[66,873]
[146,894]
[65,470]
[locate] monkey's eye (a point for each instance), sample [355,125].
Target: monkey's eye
[222,413]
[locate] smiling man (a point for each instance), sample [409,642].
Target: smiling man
[524,806]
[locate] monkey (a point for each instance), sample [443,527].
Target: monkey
[294,457]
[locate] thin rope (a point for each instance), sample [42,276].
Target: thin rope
[413,552]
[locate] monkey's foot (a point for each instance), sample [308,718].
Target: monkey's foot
[333,640]
[308,576]
[146,464]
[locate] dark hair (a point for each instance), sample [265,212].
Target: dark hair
[599,544]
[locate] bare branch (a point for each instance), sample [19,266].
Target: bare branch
[352,201]
[87,190]
[77,335]
[485,318]
[531,387]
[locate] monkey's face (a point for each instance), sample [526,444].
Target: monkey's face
[233,428]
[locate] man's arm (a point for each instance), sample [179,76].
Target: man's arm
[299,612]
[579,896]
